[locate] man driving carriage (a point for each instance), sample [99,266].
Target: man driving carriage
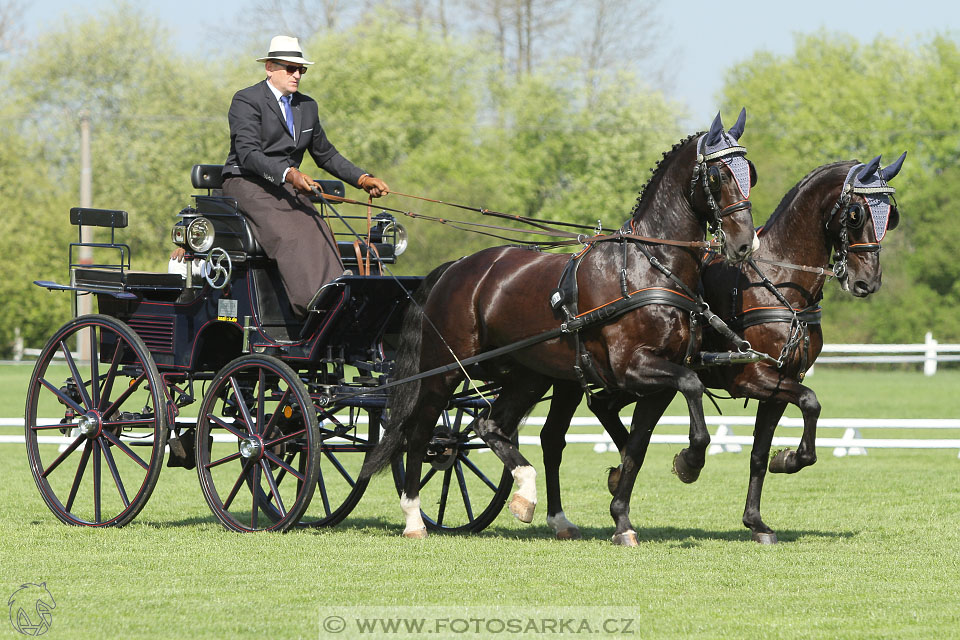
[271,125]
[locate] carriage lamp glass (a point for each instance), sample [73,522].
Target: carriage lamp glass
[200,234]
[401,245]
[179,235]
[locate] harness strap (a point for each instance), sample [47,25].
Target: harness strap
[637,299]
[764,315]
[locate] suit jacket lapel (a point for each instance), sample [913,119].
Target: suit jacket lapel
[275,106]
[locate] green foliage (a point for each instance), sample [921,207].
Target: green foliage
[837,99]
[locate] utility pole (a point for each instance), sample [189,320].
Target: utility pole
[85,302]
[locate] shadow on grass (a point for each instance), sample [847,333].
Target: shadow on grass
[682,536]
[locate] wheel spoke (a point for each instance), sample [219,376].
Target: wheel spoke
[232,456]
[273,418]
[463,490]
[127,450]
[63,456]
[273,488]
[478,473]
[220,423]
[129,391]
[427,477]
[237,484]
[289,436]
[62,397]
[81,467]
[143,422]
[283,465]
[94,372]
[112,465]
[59,425]
[242,405]
[336,463]
[107,390]
[81,386]
[261,401]
[96,481]
[255,492]
[323,494]
[443,497]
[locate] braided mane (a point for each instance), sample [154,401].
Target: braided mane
[657,173]
[791,195]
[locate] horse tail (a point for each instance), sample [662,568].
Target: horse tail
[402,399]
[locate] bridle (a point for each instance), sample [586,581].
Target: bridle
[853,217]
[708,175]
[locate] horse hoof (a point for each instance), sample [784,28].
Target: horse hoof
[613,479]
[416,534]
[626,539]
[571,533]
[784,462]
[522,509]
[765,538]
[685,472]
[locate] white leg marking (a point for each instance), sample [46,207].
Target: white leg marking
[526,479]
[559,522]
[411,511]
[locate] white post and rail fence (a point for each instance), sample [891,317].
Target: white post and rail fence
[929,354]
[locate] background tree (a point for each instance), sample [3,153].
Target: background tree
[835,99]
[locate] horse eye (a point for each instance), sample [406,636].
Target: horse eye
[713,178]
[855,216]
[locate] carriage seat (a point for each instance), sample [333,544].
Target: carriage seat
[210,177]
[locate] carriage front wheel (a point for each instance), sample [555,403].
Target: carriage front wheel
[257,445]
[95,422]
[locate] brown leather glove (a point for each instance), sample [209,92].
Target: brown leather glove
[374,186]
[300,181]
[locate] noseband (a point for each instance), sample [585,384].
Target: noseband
[700,174]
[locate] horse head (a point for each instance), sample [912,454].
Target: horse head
[864,213]
[720,189]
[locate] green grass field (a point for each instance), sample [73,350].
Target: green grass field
[870,547]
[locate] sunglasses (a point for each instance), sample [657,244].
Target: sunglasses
[292,68]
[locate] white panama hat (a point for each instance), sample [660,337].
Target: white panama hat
[285,48]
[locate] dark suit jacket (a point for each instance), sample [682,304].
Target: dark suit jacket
[260,144]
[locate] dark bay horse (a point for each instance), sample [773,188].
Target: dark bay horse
[844,208]
[500,296]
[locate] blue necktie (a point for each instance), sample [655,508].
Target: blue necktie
[289,113]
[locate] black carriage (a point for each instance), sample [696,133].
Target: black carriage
[209,368]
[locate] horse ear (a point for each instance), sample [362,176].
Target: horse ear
[753,174]
[888,173]
[716,130]
[737,130]
[870,169]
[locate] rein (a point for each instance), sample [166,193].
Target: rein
[572,238]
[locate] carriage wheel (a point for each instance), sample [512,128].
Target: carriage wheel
[344,444]
[257,426]
[465,485]
[96,429]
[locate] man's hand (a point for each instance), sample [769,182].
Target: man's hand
[374,186]
[300,181]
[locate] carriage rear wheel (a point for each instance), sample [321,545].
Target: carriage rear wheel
[465,485]
[345,440]
[257,445]
[95,427]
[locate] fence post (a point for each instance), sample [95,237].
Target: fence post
[17,345]
[930,357]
